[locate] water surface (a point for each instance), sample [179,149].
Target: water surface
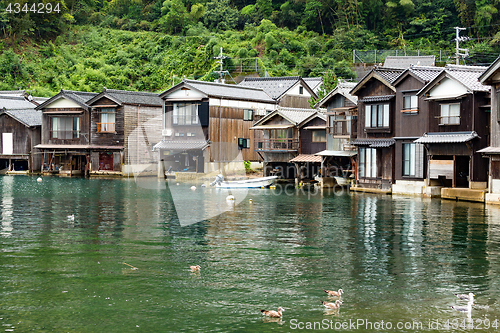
[398,259]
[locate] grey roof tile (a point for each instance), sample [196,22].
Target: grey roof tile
[407,61]
[374,143]
[15,102]
[468,76]
[426,73]
[371,99]
[130,97]
[389,74]
[273,86]
[448,137]
[29,117]
[180,145]
[313,82]
[230,91]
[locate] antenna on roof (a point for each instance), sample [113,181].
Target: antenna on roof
[459,39]
[221,58]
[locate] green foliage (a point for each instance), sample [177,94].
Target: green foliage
[220,16]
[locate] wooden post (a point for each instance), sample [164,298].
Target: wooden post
[70,165]
[454,182]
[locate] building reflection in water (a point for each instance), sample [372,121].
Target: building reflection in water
[7,206]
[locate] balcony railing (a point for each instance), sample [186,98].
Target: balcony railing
[278,145]
[105,127]
[64,135]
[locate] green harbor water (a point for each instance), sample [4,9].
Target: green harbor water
[398,259]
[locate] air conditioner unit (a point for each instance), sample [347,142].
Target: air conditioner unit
[166,132]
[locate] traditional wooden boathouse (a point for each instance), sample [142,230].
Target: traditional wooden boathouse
[459,118]
[20,125]
[125,125]
[66,133]
[411,119]
[289,136]
[376,128]
[206,125]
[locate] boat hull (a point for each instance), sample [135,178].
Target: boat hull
[248,183]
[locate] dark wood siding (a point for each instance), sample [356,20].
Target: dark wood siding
[306,144]
[84,138]
[115,138]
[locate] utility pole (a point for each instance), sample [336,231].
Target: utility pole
[221,62]
[459,39]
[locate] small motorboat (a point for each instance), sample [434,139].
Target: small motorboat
[245,183]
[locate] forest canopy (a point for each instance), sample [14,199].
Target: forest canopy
[148,44]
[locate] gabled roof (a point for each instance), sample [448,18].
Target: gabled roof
[128,97]
[15,102]
[296,117]
[422,73]
[79,97]
[486,76]
[385,75]
[18,93]
[407,61]
[465,75]
[28,117]
[222,90]
[343,88]
[313,82]
[276,87]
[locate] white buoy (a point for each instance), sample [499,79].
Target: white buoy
[177,184]
[71,217]
[39,179]
[230,198]
[250,200]
[193,188]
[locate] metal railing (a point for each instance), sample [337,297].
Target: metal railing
[278,144]
[64,135]
[105,127]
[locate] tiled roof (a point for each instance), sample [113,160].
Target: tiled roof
[130,97]
[468,76]
[230,91]
[15,102]
[426,73]
[407,61]
[18,93]
[389,74]
[374,143]
[488,73]
[342,88]
[29,117]
[490,150]
[273,86]
[306,158]
[180,145]
[449,137]
[79,97]
[371,99]
[294,116]
[313,82]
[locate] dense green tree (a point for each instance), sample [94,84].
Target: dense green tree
[220,16]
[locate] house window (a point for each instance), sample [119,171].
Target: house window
[341,124]
[179,134]
[185,114]
[107,120]
[413,158]
[301,90]
[65,127]
[319,136]
[450,114]
[410,104]
[243,143]
[377,115]
[247,114]
[367,162]
[191,134]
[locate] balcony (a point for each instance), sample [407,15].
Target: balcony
[105,127]
[277,145]
[344,128]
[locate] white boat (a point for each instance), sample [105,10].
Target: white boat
[343,181]
[246,183]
